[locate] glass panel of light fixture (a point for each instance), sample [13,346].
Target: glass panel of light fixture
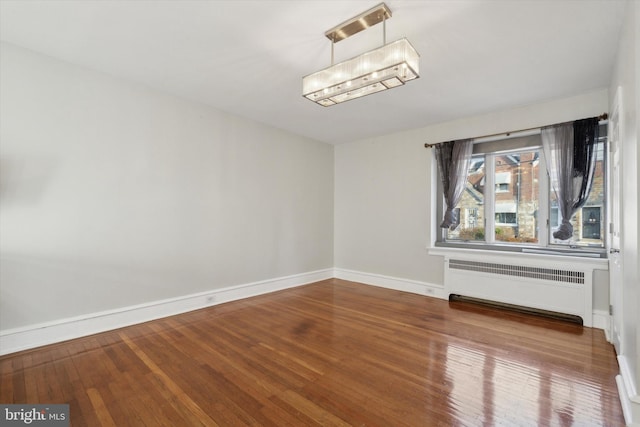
[392,82]
[357,93]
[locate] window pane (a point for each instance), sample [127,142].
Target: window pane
[517,196]
[588,223]
[470,210]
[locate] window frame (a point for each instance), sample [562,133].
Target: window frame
[544,244]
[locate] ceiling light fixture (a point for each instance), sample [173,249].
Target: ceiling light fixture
[386,67]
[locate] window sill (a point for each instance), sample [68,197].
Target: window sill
[589,255]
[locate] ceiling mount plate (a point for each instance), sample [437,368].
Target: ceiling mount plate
[367,19]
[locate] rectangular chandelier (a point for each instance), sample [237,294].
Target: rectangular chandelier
[386,67]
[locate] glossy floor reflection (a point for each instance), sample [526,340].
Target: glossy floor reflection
[330,353]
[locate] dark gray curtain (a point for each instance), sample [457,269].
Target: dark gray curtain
[453,160]
[569,151]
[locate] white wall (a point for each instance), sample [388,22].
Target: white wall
[625,77]
[113,194]
[381,208]
[385,189]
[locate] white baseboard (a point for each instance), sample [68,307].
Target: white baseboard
[628,392]
[13,340]
[18,339]
[406,285]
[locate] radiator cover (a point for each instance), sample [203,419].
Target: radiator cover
[558,284]
[521,271]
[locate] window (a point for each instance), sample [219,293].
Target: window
[588,223]
[503,179]
[471,217]
[501,188]
[591,223]
[506,218]
[507,199]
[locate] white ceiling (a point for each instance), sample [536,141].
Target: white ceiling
[248,57]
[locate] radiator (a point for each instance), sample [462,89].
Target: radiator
[565,289]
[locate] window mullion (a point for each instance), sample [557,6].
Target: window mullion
[543,204]
[489,199]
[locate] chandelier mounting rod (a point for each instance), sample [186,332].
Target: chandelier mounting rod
[384,29]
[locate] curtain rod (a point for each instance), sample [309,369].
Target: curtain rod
[603,116]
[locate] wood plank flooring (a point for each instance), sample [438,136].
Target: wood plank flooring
[333,353]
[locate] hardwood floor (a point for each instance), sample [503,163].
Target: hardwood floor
[330,353]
